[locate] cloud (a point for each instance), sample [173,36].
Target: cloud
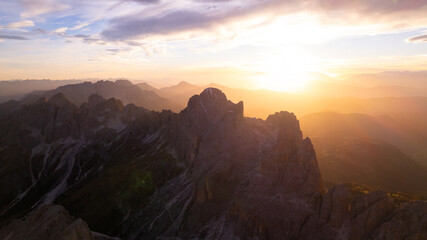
[178,20]
[21,24]
[369,6]
[208,14]
[115,51]
[143,2]
[61,30]
[39,31]
[147,1]
[17,26]
[418,39]
[38,7]
[81,36]
[93,40]
[80,26]
[12,37]
[133,27]
[212,1]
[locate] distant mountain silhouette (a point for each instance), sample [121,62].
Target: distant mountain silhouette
[411,79]
[16,89]
[147,87]
[319,88]
[120,89]
[371,162]
[179,89]
[407,133]
[260,103]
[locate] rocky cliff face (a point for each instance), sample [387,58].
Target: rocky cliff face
[205,173]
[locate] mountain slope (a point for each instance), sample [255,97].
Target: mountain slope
[405,131]
[205,173]
[16,89]
[179,89]
[120,89]
[371,162]
[147,87]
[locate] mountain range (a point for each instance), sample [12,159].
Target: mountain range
[207,172]
[392,127]
[260,103]
[405,131]
[388,132]
[322,94]
[16,89]
[396,121]
[78,93]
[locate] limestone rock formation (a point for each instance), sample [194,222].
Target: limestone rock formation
[205,173]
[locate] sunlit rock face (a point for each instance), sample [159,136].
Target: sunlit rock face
[205,173]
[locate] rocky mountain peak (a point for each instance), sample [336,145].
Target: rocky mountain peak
[213,94]
[41,100]
[95,99]
[213,101]
[283,119]
[59,100]
[123,82]
[101,104]
[114,104]
[210,97]
[288,126]
[210,107]
[292,159]
[205,173]
[184,84]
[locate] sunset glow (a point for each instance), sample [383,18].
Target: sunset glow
[264,44]
[213,119]
[287,70]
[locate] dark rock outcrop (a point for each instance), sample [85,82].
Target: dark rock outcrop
[50,222]
[407,222]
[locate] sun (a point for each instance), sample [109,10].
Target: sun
[287,70]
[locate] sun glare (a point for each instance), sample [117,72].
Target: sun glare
[286,71]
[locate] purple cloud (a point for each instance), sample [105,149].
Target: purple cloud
[206,14]
[38,7]
[81,36]
[13,37]
[132,27]
[147,1]
[418,39]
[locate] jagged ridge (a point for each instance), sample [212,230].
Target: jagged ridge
[205,173]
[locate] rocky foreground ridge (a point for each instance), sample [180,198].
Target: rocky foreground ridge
[50,222]
[205,173]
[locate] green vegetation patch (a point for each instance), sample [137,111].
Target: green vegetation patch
[141,182]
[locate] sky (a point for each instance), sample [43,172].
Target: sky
[274,44]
